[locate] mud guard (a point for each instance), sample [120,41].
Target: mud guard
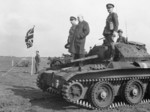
[144,64]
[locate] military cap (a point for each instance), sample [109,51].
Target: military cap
[120,31]
[110,5]
[72,18]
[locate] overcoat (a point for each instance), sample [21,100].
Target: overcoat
[81,31]
[71,39]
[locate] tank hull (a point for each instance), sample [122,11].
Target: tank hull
[60,83]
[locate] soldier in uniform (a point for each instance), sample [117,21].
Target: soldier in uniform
[111,28]
[81,31]
[121,39]
[70,41]
[37,62]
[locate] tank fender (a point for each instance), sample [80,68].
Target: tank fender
[142,64]
[120,65]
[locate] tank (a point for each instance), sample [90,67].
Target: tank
[95,82]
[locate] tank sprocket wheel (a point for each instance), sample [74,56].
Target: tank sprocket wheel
[41,83]
[102,95]
[73,91]
[134,92]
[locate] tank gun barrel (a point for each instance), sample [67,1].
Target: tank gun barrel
[86,58]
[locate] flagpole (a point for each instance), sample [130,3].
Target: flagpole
[32,58]
[32,62]
[12,61]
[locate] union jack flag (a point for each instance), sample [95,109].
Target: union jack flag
[29,37]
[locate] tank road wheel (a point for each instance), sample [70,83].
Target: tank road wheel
[134,92]
[73,91]
[102,95]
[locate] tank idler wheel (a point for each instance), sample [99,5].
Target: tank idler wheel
[73,91]
[102,95]
[41,82]
[134,92]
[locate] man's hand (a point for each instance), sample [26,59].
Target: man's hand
[114,34]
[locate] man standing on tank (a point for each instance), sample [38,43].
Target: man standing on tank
[111,28]
[37,62]
[121,38]
[70,41]
[81,31]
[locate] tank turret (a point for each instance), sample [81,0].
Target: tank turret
[133,51]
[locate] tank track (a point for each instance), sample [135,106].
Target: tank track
[40,83]
[53,91]
[44,87]
[88,105]
[114,105]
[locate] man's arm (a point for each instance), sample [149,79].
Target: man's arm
[116,23]
[68,40]
[86,30]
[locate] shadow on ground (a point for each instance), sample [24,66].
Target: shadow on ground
[41,99]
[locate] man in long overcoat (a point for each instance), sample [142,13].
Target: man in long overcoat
[111,28]
[70,41]
[81,31]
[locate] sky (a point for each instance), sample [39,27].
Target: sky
[51,20]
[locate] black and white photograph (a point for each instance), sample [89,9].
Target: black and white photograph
[74,56]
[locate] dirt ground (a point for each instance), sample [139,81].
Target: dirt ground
[19,93]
